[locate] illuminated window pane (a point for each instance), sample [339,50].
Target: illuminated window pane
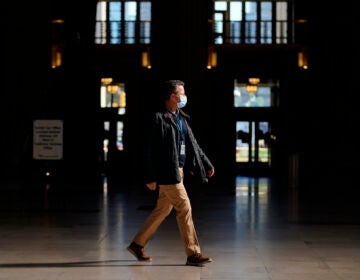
[260,98]
[119,135]
[242,141]
[113,95]
[119,22]
[263,135]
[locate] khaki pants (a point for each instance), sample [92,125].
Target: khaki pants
[171,196]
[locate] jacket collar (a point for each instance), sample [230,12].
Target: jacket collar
[181,112]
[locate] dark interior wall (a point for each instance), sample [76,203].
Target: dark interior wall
[330,116]
[179,43]
[76,87]
[32,90]
[25,45]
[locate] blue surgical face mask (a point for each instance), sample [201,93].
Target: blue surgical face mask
[182,102]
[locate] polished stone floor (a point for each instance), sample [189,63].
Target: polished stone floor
[254,234]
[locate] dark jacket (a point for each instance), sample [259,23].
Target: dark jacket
[162,151]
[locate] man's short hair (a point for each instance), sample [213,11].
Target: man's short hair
[170,87]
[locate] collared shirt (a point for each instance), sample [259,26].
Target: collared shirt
[182,131]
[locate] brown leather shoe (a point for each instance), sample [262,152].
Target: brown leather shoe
[139,252]
[197,259]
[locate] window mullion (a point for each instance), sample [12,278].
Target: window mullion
[274,23]
[243,23]
[258,22]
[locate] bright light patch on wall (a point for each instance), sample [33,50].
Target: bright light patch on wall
[145,59]
[57,43]
[302,59]
[212,58]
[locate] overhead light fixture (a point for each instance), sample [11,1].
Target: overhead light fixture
[112,88]
[254,81]
[251,88]
[106,81]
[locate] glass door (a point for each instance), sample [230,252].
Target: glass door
[253,144]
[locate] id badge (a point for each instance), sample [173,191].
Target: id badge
[182,149]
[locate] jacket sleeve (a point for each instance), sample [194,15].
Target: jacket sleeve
[201,163]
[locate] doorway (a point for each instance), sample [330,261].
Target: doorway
[254,145]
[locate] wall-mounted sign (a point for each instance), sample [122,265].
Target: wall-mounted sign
[48,139]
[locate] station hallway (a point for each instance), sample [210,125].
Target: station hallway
[51,232]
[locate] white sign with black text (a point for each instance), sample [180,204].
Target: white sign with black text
[48,139]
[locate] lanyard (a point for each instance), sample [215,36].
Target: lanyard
[178,120]
[179,123]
